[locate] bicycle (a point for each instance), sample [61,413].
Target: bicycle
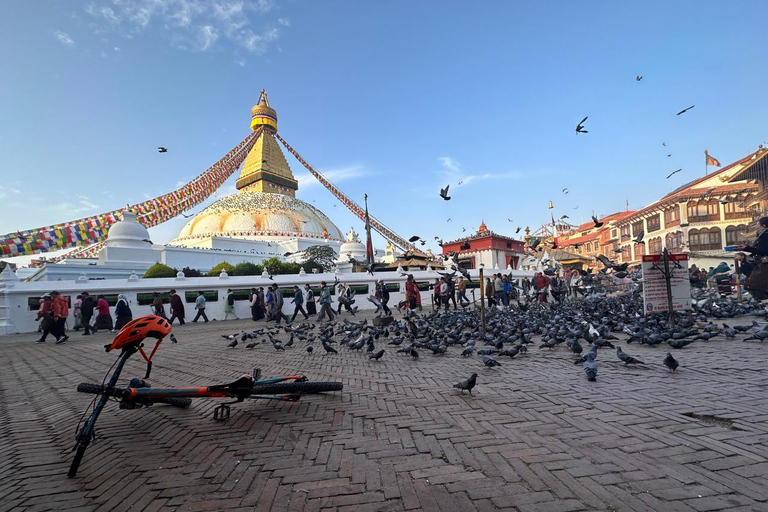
[139,393]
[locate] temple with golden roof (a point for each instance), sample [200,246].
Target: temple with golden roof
[265,208]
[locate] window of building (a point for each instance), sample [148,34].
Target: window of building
[509,245]
[625,231]
[639,250]
[595,245]
[736,235]
[672,217]
[654,245]
[653,223]
[703,211]
[637,228]
[734,210]
[614,233]
[705,239]
[674,241]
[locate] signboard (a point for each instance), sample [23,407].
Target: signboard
[655,285]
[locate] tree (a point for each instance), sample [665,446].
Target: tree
[246,268]
[272,265]
[216,269]
[159,270]
[319,256]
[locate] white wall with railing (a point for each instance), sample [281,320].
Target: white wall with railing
[18,299]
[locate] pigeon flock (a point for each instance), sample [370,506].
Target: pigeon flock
[598,329]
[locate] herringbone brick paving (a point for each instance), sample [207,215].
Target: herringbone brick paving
[535,437]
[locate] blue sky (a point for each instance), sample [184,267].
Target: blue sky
[393,99]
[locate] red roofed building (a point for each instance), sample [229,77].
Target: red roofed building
[486,247]
[588,240]
[701,218]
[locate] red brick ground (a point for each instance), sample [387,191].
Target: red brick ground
[535,437]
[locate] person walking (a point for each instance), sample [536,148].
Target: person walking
[542,286]
[311,309]
[489,291]
[103,318]
[177,308]
[412,293]
[437,291]
[158,307]
[498,290]
[325,303]
[77,313]
[462,288]
[45,316]
[200,307]
[269,303]
[86,313]
[229,305]
[382,293]
[257,312]
[123,313]
[60,310]
[279,301]
[298,299]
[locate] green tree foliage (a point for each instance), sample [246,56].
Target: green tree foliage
[320,257]
[273,265]
[159,270]
[246,268]
[216,269]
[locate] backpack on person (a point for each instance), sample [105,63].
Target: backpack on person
[231,299]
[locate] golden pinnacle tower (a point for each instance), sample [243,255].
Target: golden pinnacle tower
[265,207]
[265,168]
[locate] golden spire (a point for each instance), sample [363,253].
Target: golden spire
[265,168]
[263,115]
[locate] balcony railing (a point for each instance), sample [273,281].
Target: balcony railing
[705,218]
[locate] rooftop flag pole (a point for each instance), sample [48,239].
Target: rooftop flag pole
[369,256]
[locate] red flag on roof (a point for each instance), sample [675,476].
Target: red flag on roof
[711,160]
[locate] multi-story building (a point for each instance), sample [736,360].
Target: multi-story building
[589,240]
[701,218]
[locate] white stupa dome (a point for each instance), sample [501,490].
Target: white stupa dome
[352,248]
[128,232]
[259,215]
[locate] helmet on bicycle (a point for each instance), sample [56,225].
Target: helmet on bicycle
[135,331]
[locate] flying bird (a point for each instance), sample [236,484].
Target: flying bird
[460,183]
[685,110]
[161,149]
[664,144]
[638,78]
[580,126]
[565,190]
[674,172]
[598,224]
[510,220]
[517,230]
[414,238]
[467,384]
[444,193]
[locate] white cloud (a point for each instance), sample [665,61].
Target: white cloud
[197,25]
[336,175]
[6,191]
[64,38]
[452,174]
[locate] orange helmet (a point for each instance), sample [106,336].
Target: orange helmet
[135,331]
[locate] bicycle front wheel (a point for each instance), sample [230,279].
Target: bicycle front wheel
[302,388]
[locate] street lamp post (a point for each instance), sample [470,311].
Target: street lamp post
[482,299]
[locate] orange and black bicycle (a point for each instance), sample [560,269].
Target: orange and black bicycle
[130,340]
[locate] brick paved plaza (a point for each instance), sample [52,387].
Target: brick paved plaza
[535,437]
